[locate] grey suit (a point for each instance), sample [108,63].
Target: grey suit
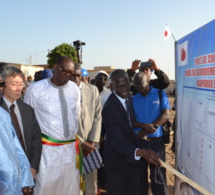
[32,132]
[90,118]
[90,127]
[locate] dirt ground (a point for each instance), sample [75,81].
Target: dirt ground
[170,156]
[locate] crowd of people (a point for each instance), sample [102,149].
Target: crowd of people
[49,125]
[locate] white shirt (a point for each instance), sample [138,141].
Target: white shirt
[57,108]
[18,115]
[104,95]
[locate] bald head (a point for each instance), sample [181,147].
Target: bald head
[141,82]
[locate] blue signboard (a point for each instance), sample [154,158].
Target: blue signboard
[195,84]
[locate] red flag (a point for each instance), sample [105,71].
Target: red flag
[167,33]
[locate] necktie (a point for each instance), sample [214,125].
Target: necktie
[127,110]
[16,125]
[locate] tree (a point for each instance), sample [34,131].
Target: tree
[64,49]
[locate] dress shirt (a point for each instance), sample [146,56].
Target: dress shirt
[104,95]
[122,100]
[18,115]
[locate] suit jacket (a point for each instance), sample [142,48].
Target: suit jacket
[32,132]
[121,142]
[90,117]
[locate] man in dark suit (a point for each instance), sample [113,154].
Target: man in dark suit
[24,121]
[122,152]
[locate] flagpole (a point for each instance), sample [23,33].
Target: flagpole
[173,37]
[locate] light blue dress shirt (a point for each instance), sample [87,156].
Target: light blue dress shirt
[15,171]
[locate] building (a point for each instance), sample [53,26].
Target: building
[29,70]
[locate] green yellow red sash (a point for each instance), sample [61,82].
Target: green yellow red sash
[54,142]
[46,140]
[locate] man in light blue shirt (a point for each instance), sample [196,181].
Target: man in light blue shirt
[15,171]
[150,112]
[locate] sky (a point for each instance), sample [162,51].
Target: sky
[116,32]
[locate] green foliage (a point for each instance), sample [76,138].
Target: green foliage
[64,49]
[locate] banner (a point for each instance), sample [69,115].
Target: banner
[195,84]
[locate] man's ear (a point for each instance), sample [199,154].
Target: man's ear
[55,67]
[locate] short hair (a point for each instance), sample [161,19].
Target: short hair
[2,66]
[59,61]
[139,75]
[77,66]
[11,71]
[116,74]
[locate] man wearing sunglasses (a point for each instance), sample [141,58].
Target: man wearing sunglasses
[89,124]
[56,102]
[148,67]
[100,81]
[84,76]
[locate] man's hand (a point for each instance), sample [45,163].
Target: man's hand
[27,191]
[87,148]
[135,64]
[150,156]
[142,133]
[34,172]
[150,128]
[154,65]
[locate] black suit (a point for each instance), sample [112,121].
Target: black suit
[121,143]
[32,132]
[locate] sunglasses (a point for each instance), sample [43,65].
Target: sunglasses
[66,72]
[76,75]
[102,78]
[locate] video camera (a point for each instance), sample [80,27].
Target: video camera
[78,44]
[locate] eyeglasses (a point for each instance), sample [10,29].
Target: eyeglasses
[66,72]
[102,77]
[76,75]
[16,84]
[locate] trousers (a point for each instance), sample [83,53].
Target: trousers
[157,174]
